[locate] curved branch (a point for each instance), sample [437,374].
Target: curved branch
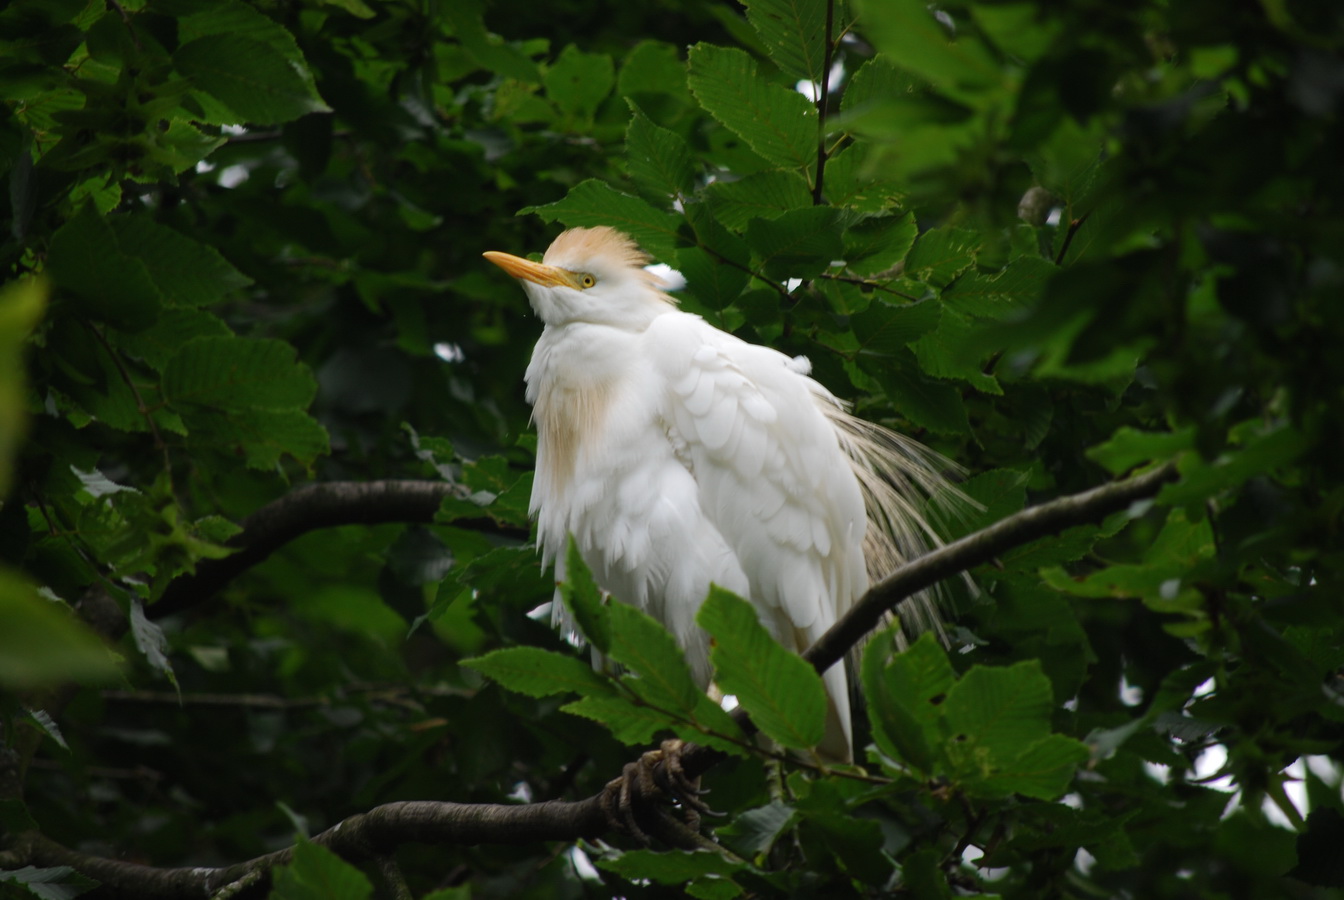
[369,835]
[305,509]
[959,556]
[361,837]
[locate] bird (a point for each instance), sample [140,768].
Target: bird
[679,456]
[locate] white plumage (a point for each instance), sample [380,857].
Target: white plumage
[679,455]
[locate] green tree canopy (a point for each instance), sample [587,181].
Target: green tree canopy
[265,563]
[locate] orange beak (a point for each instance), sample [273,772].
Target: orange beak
[537,273]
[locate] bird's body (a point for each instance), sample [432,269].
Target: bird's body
[679,455]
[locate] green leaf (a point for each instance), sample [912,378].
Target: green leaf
[186,272]
[782,693]
[1010,292]
[577,82]
[267,90]
[760,195]
[876,245]
[56,883]
[104,283]
[888,329]
[594,203]
[659,160]
[646,648]
[941,254]
[941,354]
[42,644]
[630,723]
[779,124]
[47,725]
[491,51]
[911,690]
[756,830]
[908,34]
[794,33]
[1043,770]
[21,306]
[260,437]
[318,874]
[714,282]
[800,243]
[675,867]
[151,641]
[1129,447]
[582,598]
[539,673]
[1004,709]
[174,327]
[238,374]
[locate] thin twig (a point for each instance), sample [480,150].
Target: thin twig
[140,405]
[1074,225]
[822,102]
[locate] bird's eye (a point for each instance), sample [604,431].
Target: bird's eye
[586,281]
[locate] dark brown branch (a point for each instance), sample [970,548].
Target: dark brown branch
[977,549]
[369,836]
[308,508]
[361,837]
[823,100]
[959,556]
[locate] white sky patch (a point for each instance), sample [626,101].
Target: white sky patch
[792,284]
[1129,694]
[1084,861]
[812,90]
[449,352]
[729,703]
[583,866]
[1210,762]
[1055,215]
[232,176]
[522,792]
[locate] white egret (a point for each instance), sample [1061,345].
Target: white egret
[679,455]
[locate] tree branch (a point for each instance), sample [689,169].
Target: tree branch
[305,509]
[359,838]
[371,835]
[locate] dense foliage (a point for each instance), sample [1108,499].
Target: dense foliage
[1054,241]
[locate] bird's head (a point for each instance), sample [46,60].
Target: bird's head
[591,275]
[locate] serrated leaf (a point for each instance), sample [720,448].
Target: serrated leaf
[876,245]
[800,243]
[582,598]
[907,33]
[185,271]
[782,693]
[756,830]
[464,19]
[1004,709]
[630,723]
[712,281]
[659,160]
[913,689]
[895,730]
[646,648]
[1042,770]
[941,354]
[42,644]
[675,867]
[47,725]
[318,874]
[1128,447]
[174,327]
[56,883]
[151,641]
[539,673]
[104,283]
[238,374]
[779,124]
[760,195]
[261,437]
[941,254]
[1012,291]
[794,34]
[267,90]
[887,329]
[577,82]
[592,202]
